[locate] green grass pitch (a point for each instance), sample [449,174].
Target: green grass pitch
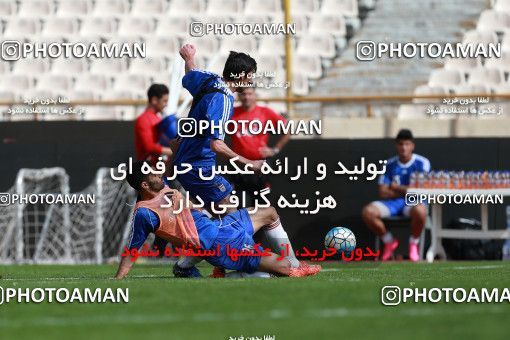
[341,302]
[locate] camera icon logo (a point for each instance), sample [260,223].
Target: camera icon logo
[391,295]
[411,199]
[187,127]
[196,29]
[5,199]
[10,50]
[365,50]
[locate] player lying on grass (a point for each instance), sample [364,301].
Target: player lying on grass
[195,229]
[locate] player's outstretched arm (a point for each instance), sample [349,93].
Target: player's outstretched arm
[124,267]
[221,148]
[187,53]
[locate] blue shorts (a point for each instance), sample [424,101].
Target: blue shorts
[213,190]
[393,207]
[236,231]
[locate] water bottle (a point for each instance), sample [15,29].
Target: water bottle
[506,245]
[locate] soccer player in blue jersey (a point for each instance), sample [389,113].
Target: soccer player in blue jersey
[213,101]
[195,228]
[393,186]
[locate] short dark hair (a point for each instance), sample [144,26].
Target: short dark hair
[157,90]
[136,177]
[237,63]
[404,134]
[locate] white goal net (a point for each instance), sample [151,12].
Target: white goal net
[77,232]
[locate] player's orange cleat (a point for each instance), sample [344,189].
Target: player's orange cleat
[218,273]
[312,269]
[388,250]
[305,269]
[414,253]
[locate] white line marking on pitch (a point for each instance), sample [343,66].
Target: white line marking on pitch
[478,267]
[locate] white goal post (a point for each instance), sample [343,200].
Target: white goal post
[65,232]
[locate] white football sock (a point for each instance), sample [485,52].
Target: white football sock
[188,261]
[238,274]
[387,238]
[278,239]
[414,240]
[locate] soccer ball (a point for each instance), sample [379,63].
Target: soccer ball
[340,238]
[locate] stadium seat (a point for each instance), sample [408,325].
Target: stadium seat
[134,82]
[149,7]
[56,82]
[317,44]
[270,63]
[502,6]
[7,8]
[102,26]
[491,20]
[300,85]
[69,66]
[247,44]
[304,6]
[446,78]
[309,65]
[91,81]
[16,82]
[486,76]
[484,37]
[58,26]
[218,63]
[136,26]
[462,64]
[348,8]
[111,8]
[505,42]
[36,8]
[254,18]
[333,24]
[502,64]
[74,8]
[410,111]
[425,90]
[270,7]
[147,65]
[173,26]
[22,27]
[273,45]
[224,7]
[178,7]
[471,89]
[300,21]
[206,46]
[5,68]
[162,46]
[31,66]
[108,66]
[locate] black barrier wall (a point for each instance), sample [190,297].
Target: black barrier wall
[82,147]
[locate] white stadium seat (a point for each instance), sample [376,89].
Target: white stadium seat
[147,65]
[178,7]
[502,64]
[271,63]
[108,66]
[309,65]
[224,7]
[502,6]
[74,8]
[317,44]
[58,26]
[7,8]
[149,7]
[505,42]
[36,8]
[56,82]
[173,26]
[162,46]
[91,81]
[491,20]
[31,66]
[300,21]
[425,90]
[218,64]
[270,7]
[69,66]
[206,46]
[471,89]
[247,44]
[304,6]
[446,78]
[484,37]
[333,24]
[410,111]
[348,8]
[462,64]
[15,82]
[486,76]
[134,82]
[17,27]
[273,45]
[111,8]
[254,18]
[300,85]
[136,26]
[98,26]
